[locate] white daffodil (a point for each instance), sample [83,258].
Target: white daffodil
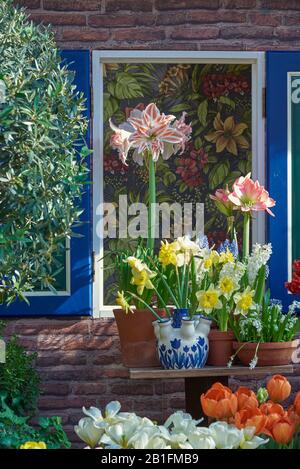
[201,438]
[226,436]
[250,441]
[2,92]
[88,433]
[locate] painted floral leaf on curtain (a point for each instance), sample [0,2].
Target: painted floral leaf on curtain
[217,99]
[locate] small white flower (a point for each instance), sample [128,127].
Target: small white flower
[2,92]
[251,441]
[88,433]
[226,436]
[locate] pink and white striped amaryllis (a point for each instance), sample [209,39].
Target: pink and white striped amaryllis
[149,130]
[249,195]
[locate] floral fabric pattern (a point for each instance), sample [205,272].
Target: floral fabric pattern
[217,100]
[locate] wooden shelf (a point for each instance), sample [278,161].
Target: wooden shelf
[208,371]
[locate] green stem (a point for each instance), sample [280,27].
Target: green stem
[152,204]
[246,235]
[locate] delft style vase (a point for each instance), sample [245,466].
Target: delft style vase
[182,343]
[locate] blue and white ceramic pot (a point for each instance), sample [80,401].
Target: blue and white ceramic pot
[184,345]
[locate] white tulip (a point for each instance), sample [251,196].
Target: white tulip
[87,432]
[181,422]
[226,436]
[251,441]
[202,438]
[2,92]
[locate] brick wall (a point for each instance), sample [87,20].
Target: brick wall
[171,24]
[79,360]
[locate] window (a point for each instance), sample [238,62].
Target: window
[214,89]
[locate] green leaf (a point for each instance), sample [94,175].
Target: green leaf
[180,107]
[229,102]
[198,143]
[218,174]
[110,106]
[127,87]
[202,112]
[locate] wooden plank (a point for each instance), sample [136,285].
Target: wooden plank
[159,373]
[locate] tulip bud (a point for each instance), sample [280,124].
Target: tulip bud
[262,395]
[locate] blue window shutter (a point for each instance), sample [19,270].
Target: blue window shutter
[79,302]
[279,64]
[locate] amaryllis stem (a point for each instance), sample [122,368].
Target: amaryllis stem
[246,235]
[152,204]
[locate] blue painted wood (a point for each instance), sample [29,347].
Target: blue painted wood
[79,303]
[278,66]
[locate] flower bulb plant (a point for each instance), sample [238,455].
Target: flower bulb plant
[264,419]
[150,134]
[124,430]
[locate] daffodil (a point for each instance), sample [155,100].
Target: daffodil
[34,445]
[227,286]
[226,256]
[244,301]
[142,279]
[121,301]
[135,263]
[211,257]
[208,300]
[167,253]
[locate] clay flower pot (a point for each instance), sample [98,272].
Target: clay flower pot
[137,339]
[220,347]
[268,353]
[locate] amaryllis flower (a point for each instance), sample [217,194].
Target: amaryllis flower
[222,201]
[149,130]
[249,195]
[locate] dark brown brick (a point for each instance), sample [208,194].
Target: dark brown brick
[59,19]
[265,19]
[133,5]
[239,4]
[210,32]
[186,4]
[292,20]
[33,4]
[246,32]
[138,34]
[281,4]
[288,34]
[221,16]
[72,5]
[89,388]
[56,389]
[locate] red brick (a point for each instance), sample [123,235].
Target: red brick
[59,19]
[107,359]
[195,33]
[246,32]
[72,5]
[46,402]
[78,342]
[134,5]
[177,403]
[239,4]
[89,388]
[104,327]
[265,19]
[186,4]
[85,35]
[132,389]
[292,20]
[281,4]
[122,21]
[56,389]
[169,387]
[65,358]
[171,18]
[115,373]
[287,33]
[142,34]
[216,17]
[33,4]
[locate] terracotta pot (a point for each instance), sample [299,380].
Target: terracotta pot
[220,347]
[137,339]
[269,353]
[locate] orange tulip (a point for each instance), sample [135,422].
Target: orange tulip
[297,403]
[283,430]
[251,418]
[246,398]
[219,402]
[293,415]
[274,412]
[278,388]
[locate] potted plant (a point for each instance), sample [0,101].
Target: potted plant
[236,282]
[265,336]
[147,135]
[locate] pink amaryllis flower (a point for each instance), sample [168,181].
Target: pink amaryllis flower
[150,130]
[222,201]
[249,195]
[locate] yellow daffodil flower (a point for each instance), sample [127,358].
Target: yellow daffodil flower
[208,300]
[142,279]
[135,263]
[226,257]
[167,253]
[121,301]
[244,301]
[34,445]
[227,286]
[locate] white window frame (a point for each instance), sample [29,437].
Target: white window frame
[256,59]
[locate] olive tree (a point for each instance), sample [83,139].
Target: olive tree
[42,167]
